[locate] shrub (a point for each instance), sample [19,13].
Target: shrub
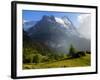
[37,58]
[81,53]
[88,52]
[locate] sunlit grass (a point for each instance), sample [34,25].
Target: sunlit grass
[75,62]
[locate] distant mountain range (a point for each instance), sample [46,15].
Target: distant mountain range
[28,24]
[56,33]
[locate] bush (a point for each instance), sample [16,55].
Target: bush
[76,55]
[26,60]
[81,53]
[45,59]
[88,52]
[37,58]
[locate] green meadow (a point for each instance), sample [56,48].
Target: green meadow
[75,62]
[38,56]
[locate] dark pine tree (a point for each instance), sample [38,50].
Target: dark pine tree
[72,52]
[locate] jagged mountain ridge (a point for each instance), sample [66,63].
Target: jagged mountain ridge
[58,34]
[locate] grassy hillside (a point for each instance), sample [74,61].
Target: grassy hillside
[36,55]
[75,62]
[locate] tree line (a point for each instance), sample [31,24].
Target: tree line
[37,53]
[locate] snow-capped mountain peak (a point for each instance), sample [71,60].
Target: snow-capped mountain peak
[57,34]
[61,23]
[59,20]
[64,21]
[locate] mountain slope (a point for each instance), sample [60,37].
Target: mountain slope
[58,34]
[28,24]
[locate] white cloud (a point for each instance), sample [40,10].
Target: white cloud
[82,17]
[85,25]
